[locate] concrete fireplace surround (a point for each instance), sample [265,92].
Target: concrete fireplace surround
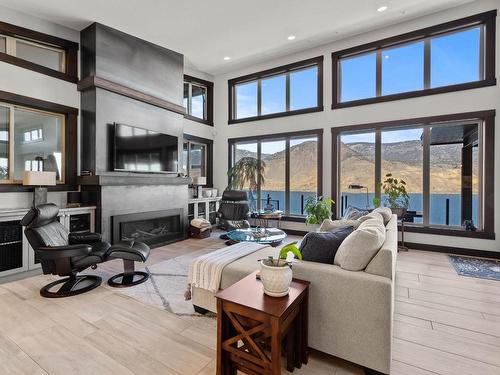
[130,81]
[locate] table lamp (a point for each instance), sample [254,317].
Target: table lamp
[40,180]
[198,183]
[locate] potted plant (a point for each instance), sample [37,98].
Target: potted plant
[276,274]
[247,171]
[317,209]
[395,195]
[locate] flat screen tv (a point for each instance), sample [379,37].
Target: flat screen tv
[141,150]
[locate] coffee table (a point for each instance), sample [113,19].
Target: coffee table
[263,217]
[270,236]
[249,320]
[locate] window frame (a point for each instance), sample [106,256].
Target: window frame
[12,145]
[265,74]
[13,33]
[487,22]
[209,143]
[209,102]
[286,137]
[69,140]
[488,149]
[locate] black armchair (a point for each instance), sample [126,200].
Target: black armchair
[233,210]
[66,254]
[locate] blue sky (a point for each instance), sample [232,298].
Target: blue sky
[454,59]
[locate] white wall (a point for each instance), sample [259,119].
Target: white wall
[29,83]
[457,102]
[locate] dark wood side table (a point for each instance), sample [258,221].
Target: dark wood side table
[250,322]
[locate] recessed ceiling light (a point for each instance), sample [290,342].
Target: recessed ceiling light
[291,37]
[382,9]
[227,58]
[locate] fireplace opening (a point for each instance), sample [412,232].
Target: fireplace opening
[153,228]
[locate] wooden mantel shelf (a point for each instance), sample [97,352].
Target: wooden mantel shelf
[94,81]
[128,179]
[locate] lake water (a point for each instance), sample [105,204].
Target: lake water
[437,203]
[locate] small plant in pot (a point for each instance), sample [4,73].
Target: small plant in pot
[317,209]
[276,274]
[395,195]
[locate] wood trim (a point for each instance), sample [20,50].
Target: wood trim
[38,68]
[43,105]
[210,155]
[13,30]
[210,100]
[70,48]
[488,116]
[277,115]
[489,170]
[97,82]
[453,250]
[275,136]
[318,61]
[416,94]
[458,232]
[488,19]
[70,140]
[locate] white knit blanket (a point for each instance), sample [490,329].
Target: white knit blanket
[205,272]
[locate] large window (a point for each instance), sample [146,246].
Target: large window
[198,100]
[30,140]
[453,56]
[283,91]
[443,161]
[197,157]
[39,52]
[292,169]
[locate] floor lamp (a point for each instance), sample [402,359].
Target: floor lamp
[359,187]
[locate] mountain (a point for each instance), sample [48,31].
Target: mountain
[402,159]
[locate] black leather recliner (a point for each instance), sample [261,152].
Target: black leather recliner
[233,210]
[65,254]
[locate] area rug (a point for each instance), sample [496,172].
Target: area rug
[475,267]
[167,284]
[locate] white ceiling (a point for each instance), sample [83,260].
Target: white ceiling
[249,31]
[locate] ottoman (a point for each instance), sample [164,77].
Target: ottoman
[130,252]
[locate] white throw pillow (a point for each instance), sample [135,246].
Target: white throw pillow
[386,213]
[359,248]
[372,215]
[329,225]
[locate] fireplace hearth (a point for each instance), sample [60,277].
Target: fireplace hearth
[154,228]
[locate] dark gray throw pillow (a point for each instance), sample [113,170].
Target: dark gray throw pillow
[321,247]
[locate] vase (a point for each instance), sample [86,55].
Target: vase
[400,212]
[275,280]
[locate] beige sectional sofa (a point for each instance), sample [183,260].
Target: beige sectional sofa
[350,313]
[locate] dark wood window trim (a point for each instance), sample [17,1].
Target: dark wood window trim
[70,48]
[287,135]
[488,19]
[316,61]
[210,100]
[71,140]
[210,155]
[488,117]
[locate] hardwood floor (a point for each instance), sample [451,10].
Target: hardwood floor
[444,324]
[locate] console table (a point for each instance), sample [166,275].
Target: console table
[16,255]
[245,313]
